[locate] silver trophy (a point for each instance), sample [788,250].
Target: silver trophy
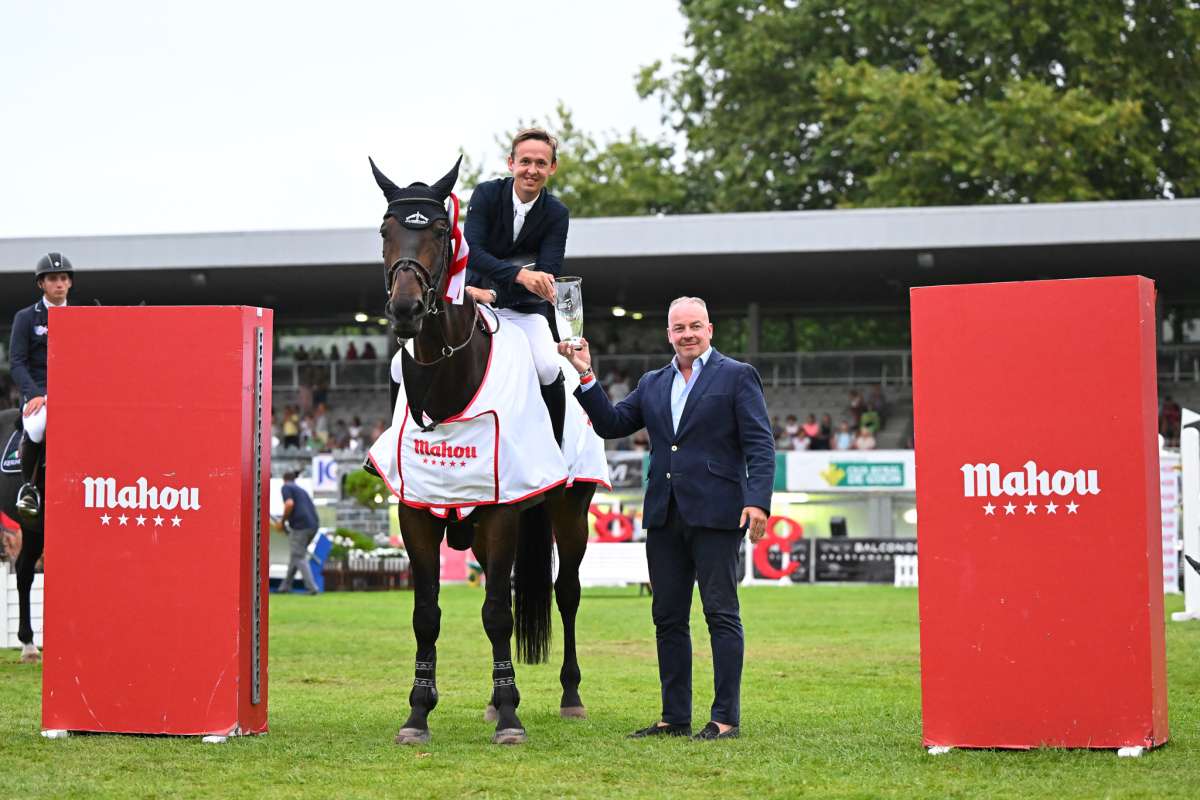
[568,301]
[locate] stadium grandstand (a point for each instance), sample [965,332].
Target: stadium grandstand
[817,300]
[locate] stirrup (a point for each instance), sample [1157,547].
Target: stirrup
[29,501]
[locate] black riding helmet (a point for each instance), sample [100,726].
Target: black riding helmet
[52,263]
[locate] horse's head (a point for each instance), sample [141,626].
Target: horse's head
[416,248]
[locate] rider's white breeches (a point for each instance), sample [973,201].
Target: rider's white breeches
[546,359]
[35,424]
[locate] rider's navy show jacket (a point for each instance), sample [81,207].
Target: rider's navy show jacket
[27,349]
[489,232]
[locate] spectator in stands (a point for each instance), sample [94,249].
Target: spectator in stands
[300,523]
[377,430]
[791,430]
[618,389]
[878,403]
[354,434]
[1169,419]
[306,431]
[334,355]
[300,354]
[291,427]
[865,440]
[811,427]
[351,352]
[822,440]
[856,407]
[776,428]
[339,437]
[321,426]
[843,439]
[368,352]
[317,354]
[870,421]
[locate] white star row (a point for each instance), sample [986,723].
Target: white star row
[1030,508]
[105,519]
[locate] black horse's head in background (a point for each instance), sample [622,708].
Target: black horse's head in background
[416,248]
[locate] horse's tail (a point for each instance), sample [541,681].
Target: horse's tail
[533,584]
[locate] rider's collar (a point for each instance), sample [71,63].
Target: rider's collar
[47,304]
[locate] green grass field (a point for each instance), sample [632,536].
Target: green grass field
[831,708]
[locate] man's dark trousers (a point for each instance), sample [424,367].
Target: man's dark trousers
[680,555]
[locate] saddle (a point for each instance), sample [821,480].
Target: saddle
[10,456]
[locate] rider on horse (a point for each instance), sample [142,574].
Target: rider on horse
[517,232]
[27,360]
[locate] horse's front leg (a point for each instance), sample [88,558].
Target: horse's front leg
[569,515]
[422,537]
[499,529]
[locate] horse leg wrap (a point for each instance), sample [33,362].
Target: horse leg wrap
[554,395]
[424,692]
[504,685]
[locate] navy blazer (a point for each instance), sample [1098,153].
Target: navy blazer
[489,232]
[721,460]
[27,349]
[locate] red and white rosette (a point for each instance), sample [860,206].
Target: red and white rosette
[456,278]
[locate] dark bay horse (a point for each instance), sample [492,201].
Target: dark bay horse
[32,537]
[451,348]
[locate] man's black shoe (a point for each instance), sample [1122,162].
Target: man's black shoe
[711,731]
[662,730]
[29,502]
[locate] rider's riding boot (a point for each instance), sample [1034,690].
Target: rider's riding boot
[29,500]
[554,395]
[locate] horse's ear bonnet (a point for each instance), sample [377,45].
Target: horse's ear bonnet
[417,205]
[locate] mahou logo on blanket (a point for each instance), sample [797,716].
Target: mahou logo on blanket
[443,450]
[986,480]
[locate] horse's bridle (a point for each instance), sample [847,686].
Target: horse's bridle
[429,292]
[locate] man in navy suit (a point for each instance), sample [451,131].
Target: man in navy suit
[518,235]
[712,468]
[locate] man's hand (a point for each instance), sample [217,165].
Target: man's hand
[580,356]
[481,295]
[540,283]
[757,519]
[34,404]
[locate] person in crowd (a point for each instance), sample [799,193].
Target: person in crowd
[306,432]
[791,432]
[27,352]
[334,353]
[711,473]
[865,440]
[517,232]
[320,430]
[351,352]
[290,427]
[811,427]
[378,429]
[339,437]
[877,402]
[776,429]
[300,523]
[1169,419]
[354,434]
[824,435]
[843,439]
[856,407]
[368,353]
[618,390]
[300,353]
[870,420]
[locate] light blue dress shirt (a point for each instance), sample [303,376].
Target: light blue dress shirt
[681,387]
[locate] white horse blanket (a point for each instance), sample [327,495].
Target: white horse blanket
[500,449]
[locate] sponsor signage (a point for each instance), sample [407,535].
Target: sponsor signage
[849,471]
[156,511]
[1040,523]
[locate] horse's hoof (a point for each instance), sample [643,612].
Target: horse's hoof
[412,736]
[510,736]
[573,712]
[30,654]
[490,714]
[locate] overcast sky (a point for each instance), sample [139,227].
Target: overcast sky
[150,116]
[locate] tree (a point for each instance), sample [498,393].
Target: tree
[623,175]
[825,103]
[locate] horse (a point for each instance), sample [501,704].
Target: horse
[32,537]
[450,348]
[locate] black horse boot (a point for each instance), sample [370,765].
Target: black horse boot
[554,395]
[29,499]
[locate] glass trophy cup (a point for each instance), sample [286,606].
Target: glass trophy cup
[568,302]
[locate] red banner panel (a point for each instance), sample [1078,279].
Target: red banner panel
[1038,514]
[158,438]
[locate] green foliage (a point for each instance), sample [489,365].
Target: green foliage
[831,103]
[831,708]
[365,488]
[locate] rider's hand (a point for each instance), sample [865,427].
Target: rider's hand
[579,355]
[540,283]
[481,295]
[33,405]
